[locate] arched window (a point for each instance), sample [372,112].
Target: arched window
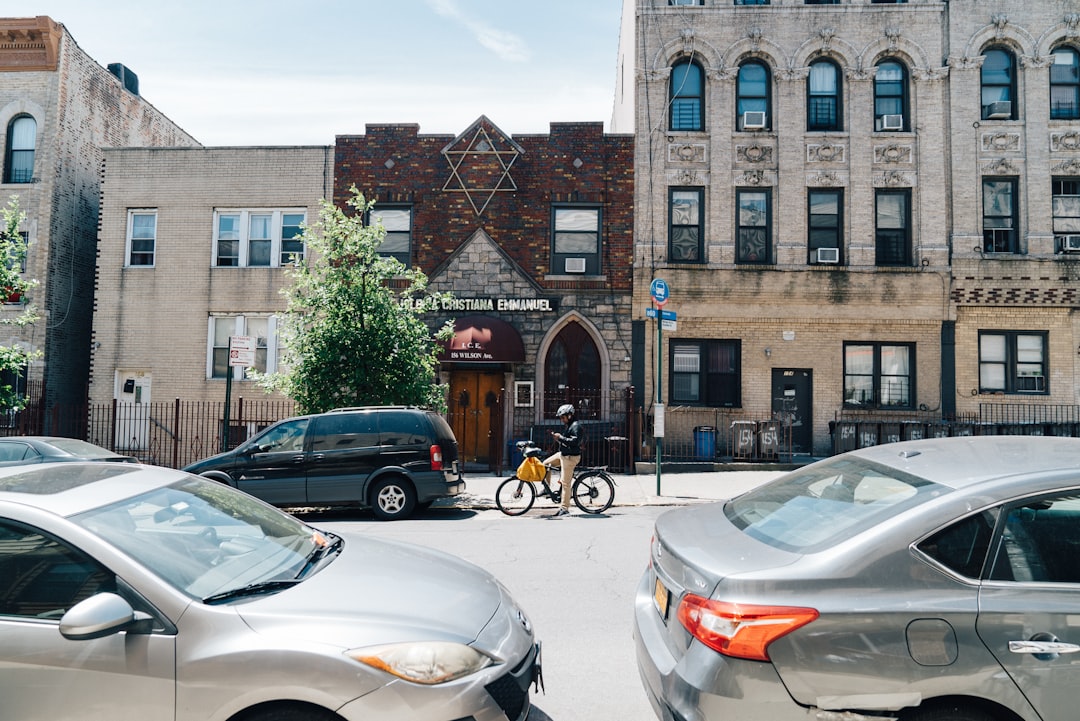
[687,96]
[823,96]
[890,96]
[1065,85]
[998,85]
[572,370]
[752,102]
[19,158]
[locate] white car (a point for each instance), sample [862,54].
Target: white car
[137,592]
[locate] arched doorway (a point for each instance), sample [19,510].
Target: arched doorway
[572,372]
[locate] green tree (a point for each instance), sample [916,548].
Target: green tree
[353,333]
[14,359]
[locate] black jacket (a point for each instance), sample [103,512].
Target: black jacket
[570,443]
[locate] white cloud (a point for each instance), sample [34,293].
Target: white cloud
[506,45]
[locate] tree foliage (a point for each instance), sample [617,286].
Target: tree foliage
[353,334]
[16,358]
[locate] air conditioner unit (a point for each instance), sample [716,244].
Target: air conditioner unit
[1070,243]
[828,255]
[753,120]
[1001,110]
[575,265]
[892,122]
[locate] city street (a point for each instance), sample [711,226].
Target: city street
[575,576]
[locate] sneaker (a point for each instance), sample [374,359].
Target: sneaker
[560,512]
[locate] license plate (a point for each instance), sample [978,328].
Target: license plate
[661,596]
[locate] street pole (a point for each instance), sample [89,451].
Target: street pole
[658,415]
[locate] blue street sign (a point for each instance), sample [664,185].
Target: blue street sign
[664,314]
[659,291]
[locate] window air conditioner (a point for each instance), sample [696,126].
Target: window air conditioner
[1001,110]
[575,265]
[1070,243]
[753,120]
[892,122]
[828,255]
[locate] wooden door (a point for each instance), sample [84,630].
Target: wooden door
[474,404]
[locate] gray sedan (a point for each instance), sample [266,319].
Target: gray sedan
[935,579]
[136,592]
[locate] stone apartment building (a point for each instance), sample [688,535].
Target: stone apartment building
[58,109]
[862,209]
[532,236]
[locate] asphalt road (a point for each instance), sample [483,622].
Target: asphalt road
[575,576]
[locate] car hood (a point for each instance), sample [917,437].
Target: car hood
[377,591]
[698,546]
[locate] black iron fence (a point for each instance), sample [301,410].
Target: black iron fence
[694,433]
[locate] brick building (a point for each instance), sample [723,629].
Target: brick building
[861,208]
[532,236]
[58,109]
[192,247]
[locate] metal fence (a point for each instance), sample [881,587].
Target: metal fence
[694,433]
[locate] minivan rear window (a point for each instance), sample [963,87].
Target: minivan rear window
[826,503]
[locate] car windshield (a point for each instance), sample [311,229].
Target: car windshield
[826,503]
[206,538]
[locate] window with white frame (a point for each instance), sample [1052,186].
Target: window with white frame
[141,237]
[575,244]
[1013,362]
[879,375]
[257,238]
[263,328]
[397,222]
[19,155]
[1065,207]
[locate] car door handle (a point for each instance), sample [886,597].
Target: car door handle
[300,458]
[1037,647]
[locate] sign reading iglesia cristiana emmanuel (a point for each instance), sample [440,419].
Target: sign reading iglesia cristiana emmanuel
[503,305]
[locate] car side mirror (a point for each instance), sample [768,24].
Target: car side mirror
[100,615]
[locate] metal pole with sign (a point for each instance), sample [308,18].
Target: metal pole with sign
[660,294]
[241,354]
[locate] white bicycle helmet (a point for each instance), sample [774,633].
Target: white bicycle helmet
[566,409]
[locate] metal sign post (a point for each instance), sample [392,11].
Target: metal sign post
[242,354]
[660,294]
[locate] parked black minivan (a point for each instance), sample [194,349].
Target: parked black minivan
[393,459]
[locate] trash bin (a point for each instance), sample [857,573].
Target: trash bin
[705,442]
[742,439]
[513,455]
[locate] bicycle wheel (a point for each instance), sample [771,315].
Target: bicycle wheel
[515,496]
[594,492]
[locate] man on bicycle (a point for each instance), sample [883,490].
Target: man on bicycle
[569,454]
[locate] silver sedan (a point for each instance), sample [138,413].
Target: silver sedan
[137,592]
[935,579]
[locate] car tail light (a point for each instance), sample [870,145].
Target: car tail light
[737,629]
[436,458]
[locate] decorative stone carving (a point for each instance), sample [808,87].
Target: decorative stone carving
[1072,24]
[830,153]
[826,34]
[999,21]
[686,153]
[965,62]
[826,179]
[687,176]
[1001,141]
[755,34]
[893,34]
[1068,167]
[1068,140]
[793,74]
[892,153]
[893,179]
[1001,166]
[687,40]
[753,177]
[754,153]
[930,75]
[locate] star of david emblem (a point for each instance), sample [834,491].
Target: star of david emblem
[480,160]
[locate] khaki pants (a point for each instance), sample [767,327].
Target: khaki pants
[566,465]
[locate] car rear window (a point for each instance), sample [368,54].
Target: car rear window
[827,503]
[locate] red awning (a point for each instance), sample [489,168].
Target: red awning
[483,339]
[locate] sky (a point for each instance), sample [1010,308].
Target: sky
[282,72]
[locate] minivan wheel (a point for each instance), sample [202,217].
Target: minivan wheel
[392,498]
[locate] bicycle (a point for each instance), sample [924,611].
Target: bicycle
[593,490]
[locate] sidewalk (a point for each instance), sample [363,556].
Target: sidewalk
[633,490]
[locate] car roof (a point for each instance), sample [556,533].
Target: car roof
[959,462]
[69,488]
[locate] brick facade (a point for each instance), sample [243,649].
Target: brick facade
[791,314]
[79,107]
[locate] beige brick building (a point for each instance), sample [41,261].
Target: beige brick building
[192,247]
[58,109]
[861,209]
